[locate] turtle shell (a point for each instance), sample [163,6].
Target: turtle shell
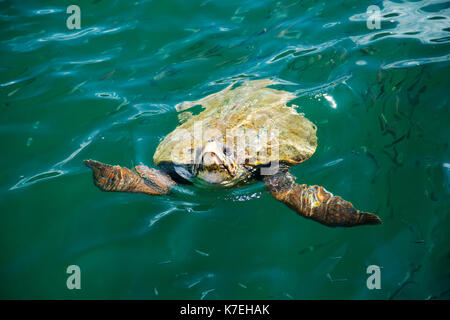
[251,120]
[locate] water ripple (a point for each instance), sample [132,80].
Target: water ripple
[415,62]
[33,41]
[408,20]
[55,170]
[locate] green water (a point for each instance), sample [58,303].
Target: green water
[379,98]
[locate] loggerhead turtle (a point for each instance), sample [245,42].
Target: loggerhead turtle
[243,134]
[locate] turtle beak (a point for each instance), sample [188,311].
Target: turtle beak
[212,154]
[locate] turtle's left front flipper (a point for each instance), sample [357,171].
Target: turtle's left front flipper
[316,203]
[117,178]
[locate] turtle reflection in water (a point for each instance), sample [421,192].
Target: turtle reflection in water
[243,134]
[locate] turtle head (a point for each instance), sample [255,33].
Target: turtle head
[215,163]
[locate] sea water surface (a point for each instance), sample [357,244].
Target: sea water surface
[379,97]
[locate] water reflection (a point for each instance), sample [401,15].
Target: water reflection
[426,20]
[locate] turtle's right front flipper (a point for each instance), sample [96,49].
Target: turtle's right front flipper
[117,178]
[316,203]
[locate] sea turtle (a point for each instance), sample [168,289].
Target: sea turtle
[242,134]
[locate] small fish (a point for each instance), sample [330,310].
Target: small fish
[381,92]
[365,50]
[335,280]
[438,296]
[202,253]
[13,92]
[430,195]
[212,51]
[382,120]
[396,113]
[77,87]
[124,103]
[372,156]
[193,284]
[108,75]
[181,274]
[390,131]
[398,85]
[307,249]
[205,293]
[405,281]
[312,248]
[343,55]
[395,141]
[415,83]
[396,158]
[288,295]
[262,32]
